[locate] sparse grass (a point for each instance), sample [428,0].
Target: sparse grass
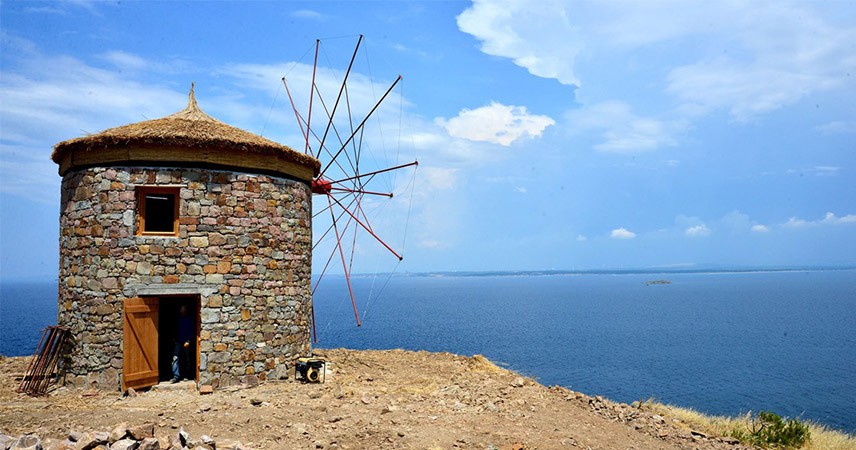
[821,437]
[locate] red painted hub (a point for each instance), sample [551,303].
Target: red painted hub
[321,186]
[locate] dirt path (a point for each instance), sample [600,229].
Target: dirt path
[375,399]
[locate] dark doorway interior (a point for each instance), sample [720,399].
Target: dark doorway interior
[168,331]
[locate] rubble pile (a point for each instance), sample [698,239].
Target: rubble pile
[122,437]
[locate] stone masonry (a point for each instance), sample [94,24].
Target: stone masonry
[244,246]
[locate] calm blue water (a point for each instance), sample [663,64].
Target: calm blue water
[721,343]
[26,308]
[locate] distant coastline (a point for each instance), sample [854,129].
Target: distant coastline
[713,269]
[634,271]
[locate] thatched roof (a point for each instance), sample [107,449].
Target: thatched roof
[190,128]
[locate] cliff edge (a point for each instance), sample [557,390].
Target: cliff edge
[391,399]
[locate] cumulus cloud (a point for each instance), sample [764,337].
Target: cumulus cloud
[818,171]
[496,123]
[794,222]
[777,54]
[514,29]
[832,219]
[622,233]
[307,14]
[42,106]
[758,228]
[786,52]
[621,130]
[828,219]
[439,177]
[697,231]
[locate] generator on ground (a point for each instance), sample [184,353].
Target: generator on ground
[310,370]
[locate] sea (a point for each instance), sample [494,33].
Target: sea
[723,343]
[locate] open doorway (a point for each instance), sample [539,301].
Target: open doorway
[178,335]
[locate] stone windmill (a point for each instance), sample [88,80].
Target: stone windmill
[183,213]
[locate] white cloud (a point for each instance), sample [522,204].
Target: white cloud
[28,173]
[125,60]
[515,182]
[621,130]
[431,244]
[832,219]
[581,238]
[622,233]
[794,222]
[431,138]
[42,106]
[526,35]
[828,219]
[364,92]
[818,171]
[752,58]
[307,14]
[779,54]
[59,7]
[46,10]
[438,177]
[697,231]
[824,171]
[758,228]
[495,123]
[836,127]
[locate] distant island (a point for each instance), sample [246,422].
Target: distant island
[648,283]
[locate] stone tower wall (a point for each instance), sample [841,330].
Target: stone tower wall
[244,246]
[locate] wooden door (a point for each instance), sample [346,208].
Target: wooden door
[140,366]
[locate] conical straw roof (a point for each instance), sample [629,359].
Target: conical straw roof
[176,134]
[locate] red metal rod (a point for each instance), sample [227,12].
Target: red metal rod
[360,126]
[297,116]
[369,230]
[384,194]
[23,386]
[329,258]
[312,94]
[341,89]
[344,265]
[314,330]
[414,163]
[336,132]
[331,225]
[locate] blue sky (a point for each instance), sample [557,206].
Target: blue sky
[571,135]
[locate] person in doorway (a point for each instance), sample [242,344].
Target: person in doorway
[183,338]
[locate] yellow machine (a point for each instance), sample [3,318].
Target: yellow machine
[310,370]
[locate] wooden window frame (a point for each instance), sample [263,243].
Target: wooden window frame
[142,191]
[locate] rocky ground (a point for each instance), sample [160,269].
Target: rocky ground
[375,399]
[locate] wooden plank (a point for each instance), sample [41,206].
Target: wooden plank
[140,354]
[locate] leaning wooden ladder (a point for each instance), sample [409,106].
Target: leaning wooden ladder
[41,369]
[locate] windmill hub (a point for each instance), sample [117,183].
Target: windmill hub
[321,186]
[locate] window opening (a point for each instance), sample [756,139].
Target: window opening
[157,209]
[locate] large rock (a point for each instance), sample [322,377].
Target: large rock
[28,442]
[6,441]
[140,432]
[119,432]
[90,441]
[125,444]
[149,443]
